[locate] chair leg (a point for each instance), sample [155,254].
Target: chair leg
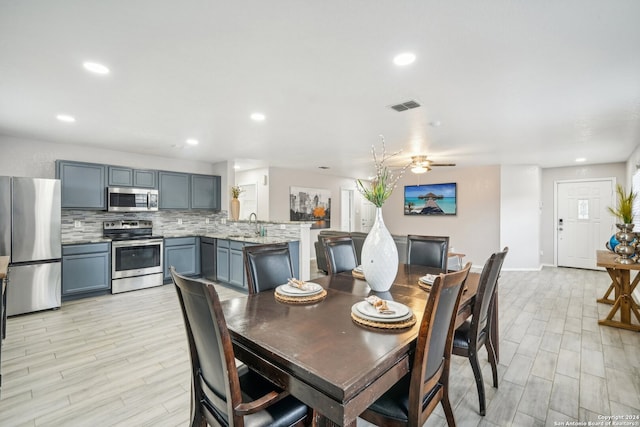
[477,373]
[448,411]
[492,361]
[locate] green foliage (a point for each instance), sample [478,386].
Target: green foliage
[235,191]
[624,210]
[383,184]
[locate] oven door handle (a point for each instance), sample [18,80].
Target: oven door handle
[129,243]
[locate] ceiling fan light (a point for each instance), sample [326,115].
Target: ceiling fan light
[419,169]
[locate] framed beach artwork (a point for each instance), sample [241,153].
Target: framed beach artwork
[430,199]
[310,204]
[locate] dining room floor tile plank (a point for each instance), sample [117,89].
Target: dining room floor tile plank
[623,388]
[592,362]
[569,363]
[544,365]
[535,398]
[565,398]
[593,394]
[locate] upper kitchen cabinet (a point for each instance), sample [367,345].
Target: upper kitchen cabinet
[174,190]
[83,185]
[145,178]
[205,192]
[128,177]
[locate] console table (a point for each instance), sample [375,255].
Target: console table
[622,288]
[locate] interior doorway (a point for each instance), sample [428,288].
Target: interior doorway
[583,223]
[347,211]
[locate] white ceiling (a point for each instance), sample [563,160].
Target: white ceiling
[511,82]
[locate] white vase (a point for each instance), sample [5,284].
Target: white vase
[379,256]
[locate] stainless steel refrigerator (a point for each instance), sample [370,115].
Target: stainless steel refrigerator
[30,235]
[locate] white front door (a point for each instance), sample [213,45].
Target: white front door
[583,222]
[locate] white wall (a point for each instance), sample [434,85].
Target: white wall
[259,177]
[549,177]
[26,157]
[475,230]
[520,198]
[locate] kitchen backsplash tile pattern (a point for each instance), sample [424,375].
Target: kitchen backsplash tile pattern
[86,226]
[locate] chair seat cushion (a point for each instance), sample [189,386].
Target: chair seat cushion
[461,336]
[394,404]
[286,412]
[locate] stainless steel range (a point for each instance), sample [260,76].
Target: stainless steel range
[136,255]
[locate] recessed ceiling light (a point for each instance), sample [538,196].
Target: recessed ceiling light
[581,159]
[405,58]
[66,118]
[94,67]
[435,123]
[258,117]
[192,141]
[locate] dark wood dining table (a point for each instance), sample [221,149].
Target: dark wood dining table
[319,354]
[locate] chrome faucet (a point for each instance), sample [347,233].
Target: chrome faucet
[255,219]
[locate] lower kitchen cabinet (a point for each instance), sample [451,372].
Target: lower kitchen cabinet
[230,262]
[237,275]
[86,270]
[183,253]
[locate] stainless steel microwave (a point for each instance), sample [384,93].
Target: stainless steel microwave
[126,199]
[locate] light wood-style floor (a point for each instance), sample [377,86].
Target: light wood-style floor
[122,360]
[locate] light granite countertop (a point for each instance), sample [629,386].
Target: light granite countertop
[247,238]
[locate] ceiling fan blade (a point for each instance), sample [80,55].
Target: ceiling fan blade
[443,164]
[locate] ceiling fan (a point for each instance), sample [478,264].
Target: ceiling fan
[421,164]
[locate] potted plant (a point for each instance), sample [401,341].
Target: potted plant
[624,209]
[624,212]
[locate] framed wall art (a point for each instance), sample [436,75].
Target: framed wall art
[310,204]
[430,199]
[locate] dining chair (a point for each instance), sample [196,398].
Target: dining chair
[340,253]
[267,266]
[476,332]
[412,399]
[221,393]
[430,251]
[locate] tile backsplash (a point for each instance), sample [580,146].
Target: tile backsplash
[84,225]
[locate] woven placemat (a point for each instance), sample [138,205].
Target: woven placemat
[357,274]
[384,325]
[306,299]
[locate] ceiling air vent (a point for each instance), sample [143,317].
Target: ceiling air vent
[404,106]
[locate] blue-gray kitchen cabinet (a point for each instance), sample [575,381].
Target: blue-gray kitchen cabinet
[205,192]
[222,260]
[174,190]
[86,270]
[83,185]
[183,253]
[119,176]
[237,275]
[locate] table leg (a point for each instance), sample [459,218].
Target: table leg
[624,301]
[321,421]
[612,287]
